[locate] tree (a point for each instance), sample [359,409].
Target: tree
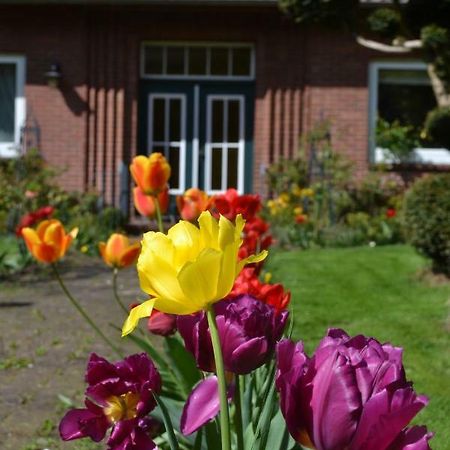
[421,27]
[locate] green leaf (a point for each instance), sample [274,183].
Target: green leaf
[183,363]
[167,423]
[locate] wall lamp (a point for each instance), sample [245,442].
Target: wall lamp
[53,76]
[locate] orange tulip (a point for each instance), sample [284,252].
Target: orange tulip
[118,252]
[49,242]
[192,203]
[145,204]
[150,173]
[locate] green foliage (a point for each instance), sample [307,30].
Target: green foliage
[436,44]
[325,207]
[27,184]
[399,140]
[427,219]
[385,21]
[331,12]
[437,126]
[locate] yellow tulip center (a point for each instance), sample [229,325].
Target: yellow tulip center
[121,407]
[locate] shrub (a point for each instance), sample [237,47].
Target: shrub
[427,219]
[398,140]
[437,126]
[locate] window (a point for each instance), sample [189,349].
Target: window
[225,143]
[12,103]
[167,134]
[179,60]
[401,92]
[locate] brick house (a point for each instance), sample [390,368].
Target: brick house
[223,88]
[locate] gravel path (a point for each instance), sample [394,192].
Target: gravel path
[44,345]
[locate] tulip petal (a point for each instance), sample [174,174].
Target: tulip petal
[209,230]
[79,423]
[335,401]
[158,277]
[251,260]
[185,238]
[202,405]
[415,438]
[138,312]
[30,237]
[384,416]
[199,279]
[227,271]
[129,255]
[248,355]
[227,232]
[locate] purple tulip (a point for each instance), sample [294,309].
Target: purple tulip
[351,394]
[118,395]
[248,331]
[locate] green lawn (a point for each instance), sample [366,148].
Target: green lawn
[376,292]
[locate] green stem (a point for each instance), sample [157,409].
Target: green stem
[220,370]
[158,214]
[238,414]
[83,312]
[116,293]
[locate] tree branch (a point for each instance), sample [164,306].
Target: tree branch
[403,47]
[441,94]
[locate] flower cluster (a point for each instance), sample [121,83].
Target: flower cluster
[271,294]
[351,394]
[119,395]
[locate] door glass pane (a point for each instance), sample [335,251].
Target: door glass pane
[241,61]
[153,59]
[233,120]
[175,120]
[216,168]
[7,97]
[158,119]
[157,148]
[197,61]
[217,121]
[175,61]
[232,169]
[219,61]
[174,161]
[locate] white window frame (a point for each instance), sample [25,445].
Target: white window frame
[208,46]
[380,155]
[166,143]
[12,149]
[240,146]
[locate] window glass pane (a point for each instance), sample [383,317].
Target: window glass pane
[197,61]
[175,120]
[241,61]
[175,61]
[216,168]
[174,161]
[158,148]
[219,61]
[153,59]
[158,119]
[405,98]
[413,77]
[7,98]
[217,121]
[233,121]
[232,169]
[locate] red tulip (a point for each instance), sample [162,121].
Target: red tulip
[231,204]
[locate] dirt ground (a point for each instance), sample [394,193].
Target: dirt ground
[44,346]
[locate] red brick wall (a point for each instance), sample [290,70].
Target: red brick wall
[44,38]
[89,125]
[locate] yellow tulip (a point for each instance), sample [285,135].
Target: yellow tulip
[190,268]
